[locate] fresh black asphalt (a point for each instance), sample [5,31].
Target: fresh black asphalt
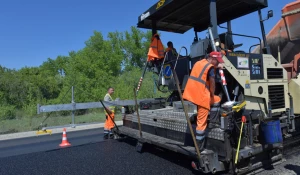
[47,142]
[89,154]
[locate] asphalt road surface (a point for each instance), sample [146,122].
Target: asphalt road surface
[291,165]
[89,154]
[48,142]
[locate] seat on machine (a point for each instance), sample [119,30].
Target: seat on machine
[227,42]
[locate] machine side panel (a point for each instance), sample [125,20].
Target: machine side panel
[241,76]
[277,84]
[261,76]
[294,89]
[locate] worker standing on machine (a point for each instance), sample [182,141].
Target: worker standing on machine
[109,124]
[172,49]
[200,89]
[171,54]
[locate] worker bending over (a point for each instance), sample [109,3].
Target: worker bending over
[200,90]
[109,124]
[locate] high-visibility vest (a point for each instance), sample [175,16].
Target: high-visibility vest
[197,87]
[173,51]
[156,50]
[112,108]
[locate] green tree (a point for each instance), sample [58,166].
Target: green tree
[117,61]
[135,46]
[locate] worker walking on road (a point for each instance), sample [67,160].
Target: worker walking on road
[109,124]
[200,89]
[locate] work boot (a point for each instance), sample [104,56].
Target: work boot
[105,136]
[111,135]
[195,165]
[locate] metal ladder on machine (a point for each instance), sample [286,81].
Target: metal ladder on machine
[160,75]
[186,54]
[161,70]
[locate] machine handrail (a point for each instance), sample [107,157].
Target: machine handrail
[253,46]
[180,58]
[162,65]
[186,54]
[230,33]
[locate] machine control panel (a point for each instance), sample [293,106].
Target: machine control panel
[252,62]
[198,49]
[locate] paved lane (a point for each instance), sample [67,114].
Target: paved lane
[106,157]
[48,142]
[89,154]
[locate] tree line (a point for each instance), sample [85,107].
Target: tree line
[113,62]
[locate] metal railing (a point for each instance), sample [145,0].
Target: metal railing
[73,106]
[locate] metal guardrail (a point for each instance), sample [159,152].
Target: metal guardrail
[73,106]
[89,105]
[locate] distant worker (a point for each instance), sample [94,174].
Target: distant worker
[171,54]
[200,90]
[109,124]
[172,49]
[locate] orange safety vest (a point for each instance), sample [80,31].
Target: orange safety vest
[156,50]
[173,51]
[197,87]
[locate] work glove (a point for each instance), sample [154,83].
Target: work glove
[220,66]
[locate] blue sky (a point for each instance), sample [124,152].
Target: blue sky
[33,30]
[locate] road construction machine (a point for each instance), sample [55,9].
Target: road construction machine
[259,108]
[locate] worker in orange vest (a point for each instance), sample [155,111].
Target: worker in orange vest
[110,116]
[156,50]
[171,53]
[172,49]
[200,90]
